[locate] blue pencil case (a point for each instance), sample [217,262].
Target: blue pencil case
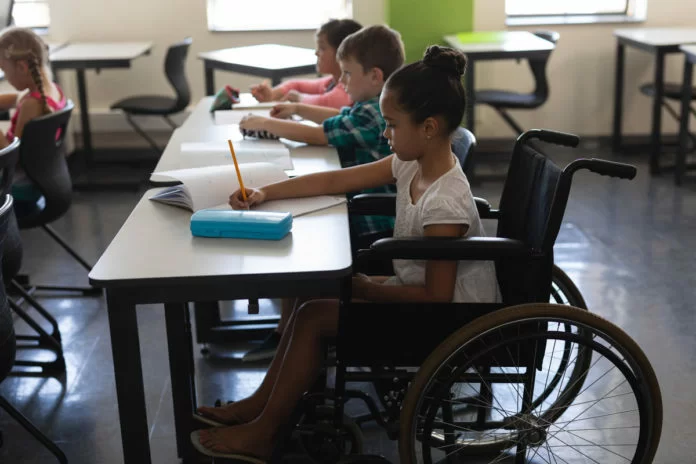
[230,223]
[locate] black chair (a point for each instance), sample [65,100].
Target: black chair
[504,100]
[158,105]
[42,157]
[671,91]
[8,348]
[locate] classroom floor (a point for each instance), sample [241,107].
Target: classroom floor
[629,247]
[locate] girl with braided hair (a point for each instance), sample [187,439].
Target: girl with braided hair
[24,60]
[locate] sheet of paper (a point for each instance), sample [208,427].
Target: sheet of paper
[247,151]
[247,101]
[296,206]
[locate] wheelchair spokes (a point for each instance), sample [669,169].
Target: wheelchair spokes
[605,407]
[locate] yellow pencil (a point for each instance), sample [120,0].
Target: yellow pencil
[239,173]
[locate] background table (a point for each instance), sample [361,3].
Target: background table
[154,259]
[94,55]
[660,42]
[269,60]
[503,45]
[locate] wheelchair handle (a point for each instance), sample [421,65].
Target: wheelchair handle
[549,136]
[611,168]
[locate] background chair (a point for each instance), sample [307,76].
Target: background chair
[7,349]
[157,105]
[504,100]
[42,157]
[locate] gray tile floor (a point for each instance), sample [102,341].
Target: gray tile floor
[629,247]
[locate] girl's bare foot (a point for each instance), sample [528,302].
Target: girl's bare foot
[239,412]
[252,439]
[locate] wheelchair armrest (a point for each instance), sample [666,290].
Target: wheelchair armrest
[484,209]
[365,204]
[446,248]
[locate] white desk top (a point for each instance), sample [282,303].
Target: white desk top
[500,41]
[94,51]
[200,127]
[268,56]
[55,46]
[658,37]
[155,242]
[689,50]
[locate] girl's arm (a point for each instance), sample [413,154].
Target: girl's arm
[8,101]
[352,179]
[316,113]
[440,277]
[289,129]
[308,86]
[31,108]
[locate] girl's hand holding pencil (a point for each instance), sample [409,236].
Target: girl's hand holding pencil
[253,197]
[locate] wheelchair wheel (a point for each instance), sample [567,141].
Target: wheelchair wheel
[320,440]
[615,417]
[564,291]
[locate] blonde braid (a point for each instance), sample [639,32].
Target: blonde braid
[35,70]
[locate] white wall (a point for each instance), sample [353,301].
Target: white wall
[162,22]
[581,74]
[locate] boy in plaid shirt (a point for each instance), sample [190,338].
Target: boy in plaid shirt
[367,58]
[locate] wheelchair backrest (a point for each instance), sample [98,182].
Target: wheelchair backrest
[525,205]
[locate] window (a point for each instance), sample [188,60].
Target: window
[268,15]
[520,12]
[31,13]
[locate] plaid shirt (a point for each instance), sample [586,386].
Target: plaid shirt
[357,134]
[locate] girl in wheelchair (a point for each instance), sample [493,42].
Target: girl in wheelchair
[423,104]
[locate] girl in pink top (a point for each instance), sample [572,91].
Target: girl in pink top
[324,91]
[24,60]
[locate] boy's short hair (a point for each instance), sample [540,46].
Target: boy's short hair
[374,47]
[335,30]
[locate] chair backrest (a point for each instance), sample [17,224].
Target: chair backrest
[526,203]
[8,161]
[538,67]
[175,69]
[12,248]
[42,158]
[463,145]
[6,322]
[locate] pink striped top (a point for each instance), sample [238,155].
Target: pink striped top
[321,91]
[52,104]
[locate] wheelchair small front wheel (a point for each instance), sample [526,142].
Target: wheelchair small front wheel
[615,415]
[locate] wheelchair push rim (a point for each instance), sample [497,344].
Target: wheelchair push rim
[615,416]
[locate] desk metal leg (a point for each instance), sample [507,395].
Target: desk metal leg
[128,372]
[182,375]
[655,136]
[84,116]
[275,80]
[684,122]
[618,96]
[209,80]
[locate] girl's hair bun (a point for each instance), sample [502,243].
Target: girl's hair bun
[445,59]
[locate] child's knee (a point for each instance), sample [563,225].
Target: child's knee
[320,316]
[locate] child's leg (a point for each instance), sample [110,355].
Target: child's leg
[249,408]
[295,375]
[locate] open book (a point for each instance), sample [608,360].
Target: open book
[246,150]
[211,186]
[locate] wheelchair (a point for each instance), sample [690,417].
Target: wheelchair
[522,381]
